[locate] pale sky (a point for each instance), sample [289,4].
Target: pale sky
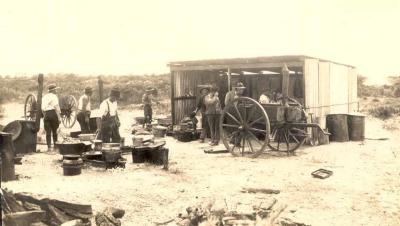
[123,37]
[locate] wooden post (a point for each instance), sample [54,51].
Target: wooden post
[172,98]
[101,97]
[285,81]
[39,102]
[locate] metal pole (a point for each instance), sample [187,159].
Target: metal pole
[229,79]
[100,82]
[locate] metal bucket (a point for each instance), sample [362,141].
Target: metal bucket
[111,154]
[356,124]
[337,126]
[71,148]
[159,131]
[139,155]
[72,165]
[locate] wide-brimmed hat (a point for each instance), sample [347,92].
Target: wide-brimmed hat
[88,89]
[239,85]
[115,92]
[206,87]
[151,90]
[52,87]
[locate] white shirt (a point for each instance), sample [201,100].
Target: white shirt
[111,107]
[49,102]
[264,99]
[80,103]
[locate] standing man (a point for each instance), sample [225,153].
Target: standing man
[230,97]
[51,114]
[109,126]
[84,110]
[201,106]
[147,101]
[213,112]
[237,91]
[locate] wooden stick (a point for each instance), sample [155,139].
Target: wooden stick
[275,214]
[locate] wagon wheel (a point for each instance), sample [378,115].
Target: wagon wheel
[68,111]
[30,107]
[286,138]
[244,127]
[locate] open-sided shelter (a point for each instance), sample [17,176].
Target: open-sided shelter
[322,86]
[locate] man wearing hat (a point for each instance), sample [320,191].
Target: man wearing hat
[147,101]
[204,90]
[51,114]
[84,110]
[109,126]
[236,92]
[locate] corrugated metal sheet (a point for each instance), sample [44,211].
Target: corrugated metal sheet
[185,85]
[324,92]
[352,75]
[339,91]
[311,86]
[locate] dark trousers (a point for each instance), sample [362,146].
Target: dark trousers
[109,130]
[213,123]
[204,126]
[83,119]
[148,114]
[51,125]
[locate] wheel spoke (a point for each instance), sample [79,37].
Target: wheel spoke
[231,126]
[254,137]
[238,112]
[250,145]
[234,119]
[258,130]
[253,122]
[294,137]
[250,115]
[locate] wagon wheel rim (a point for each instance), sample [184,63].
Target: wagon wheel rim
[30,107]
[286,138]
[244,127]
[69,109]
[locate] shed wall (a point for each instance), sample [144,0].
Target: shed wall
[339,92]
[311,86]
[324,92]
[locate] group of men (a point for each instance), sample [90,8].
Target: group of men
[108,128]
[209,106]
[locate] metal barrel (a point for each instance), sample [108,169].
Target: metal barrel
[24,135]
[337,126]
[7,172]
[356,124]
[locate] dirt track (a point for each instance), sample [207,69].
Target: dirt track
[364,189]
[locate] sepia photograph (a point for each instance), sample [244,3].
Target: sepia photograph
[200,113]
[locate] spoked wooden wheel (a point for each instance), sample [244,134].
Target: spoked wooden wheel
[68,108]
[30,107]
[286,138]
[244,127]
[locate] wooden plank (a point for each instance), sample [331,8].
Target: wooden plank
[172,97]
[234,66]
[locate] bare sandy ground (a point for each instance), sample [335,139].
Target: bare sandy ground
[364,189]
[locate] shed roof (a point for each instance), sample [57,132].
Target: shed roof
[238,63]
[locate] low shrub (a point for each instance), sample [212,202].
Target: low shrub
[384,112]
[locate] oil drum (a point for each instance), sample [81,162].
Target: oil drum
[337,126]
[7,157]
[356,124]
[23,135]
